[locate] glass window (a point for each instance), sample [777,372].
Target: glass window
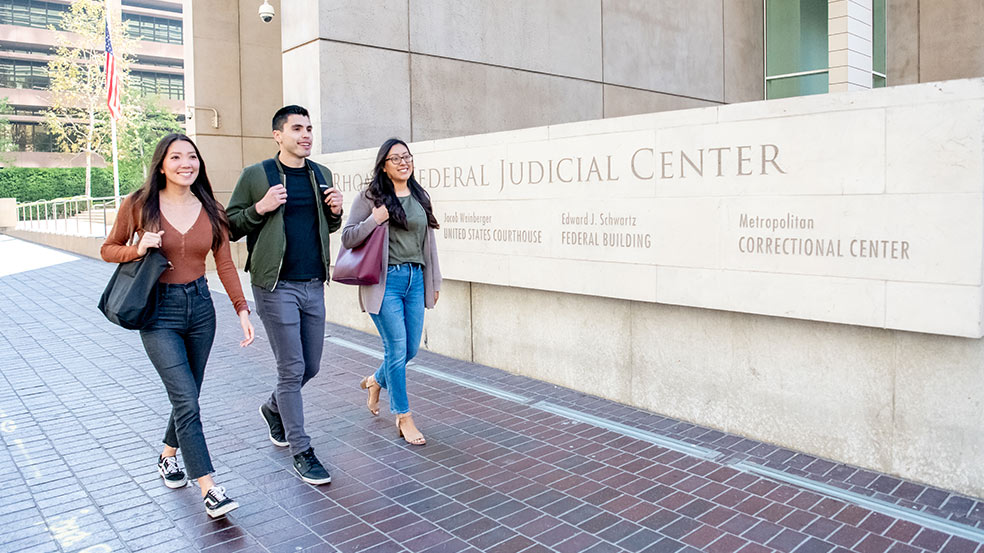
[32,137]
[23,74]
[32,13]
[796,61]
[55,17]
[796,31]
[878,25]
[162,84]
[800,85]
[154,29]
[796,47]
[21,14]
[26,110]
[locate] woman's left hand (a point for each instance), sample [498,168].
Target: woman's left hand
[247,329]
[437,294]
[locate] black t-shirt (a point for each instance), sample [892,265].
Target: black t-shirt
[302,256]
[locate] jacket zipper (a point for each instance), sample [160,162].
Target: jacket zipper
[283,247]
[320,213]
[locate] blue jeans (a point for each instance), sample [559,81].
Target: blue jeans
[400,323]
[294,318]
[178,344]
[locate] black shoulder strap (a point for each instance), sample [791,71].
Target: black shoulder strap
[318,177]
[272,173]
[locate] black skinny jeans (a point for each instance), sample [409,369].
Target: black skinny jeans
[178,344]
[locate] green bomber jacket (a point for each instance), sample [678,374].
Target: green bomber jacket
[266,239]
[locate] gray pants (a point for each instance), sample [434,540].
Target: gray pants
[294,318]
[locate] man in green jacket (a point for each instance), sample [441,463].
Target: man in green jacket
[286,207]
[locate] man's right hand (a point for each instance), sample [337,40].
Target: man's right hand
[274,198]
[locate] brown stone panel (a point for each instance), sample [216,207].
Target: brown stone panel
[951,45]
[902,42]
[744,73]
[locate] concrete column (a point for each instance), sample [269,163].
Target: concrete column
[232,65]
[849,44]
[951,45]
[8,213]
[355,84]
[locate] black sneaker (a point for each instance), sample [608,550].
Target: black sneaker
[173,477]
[216,502]
[276,424]
[310,469]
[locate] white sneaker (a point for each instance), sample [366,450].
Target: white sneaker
[216,502]
[173,476]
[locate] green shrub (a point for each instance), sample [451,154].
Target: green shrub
[29,184]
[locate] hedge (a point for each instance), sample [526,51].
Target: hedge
[29,184]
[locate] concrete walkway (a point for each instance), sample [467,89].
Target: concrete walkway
[510,465]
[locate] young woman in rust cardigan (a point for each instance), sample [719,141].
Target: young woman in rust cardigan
[176,211]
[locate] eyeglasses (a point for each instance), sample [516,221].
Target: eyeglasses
[396,159]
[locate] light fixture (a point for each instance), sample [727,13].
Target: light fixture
[190,113]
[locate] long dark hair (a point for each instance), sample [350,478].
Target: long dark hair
[147,197]
[381,192]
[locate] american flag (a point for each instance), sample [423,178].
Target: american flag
[112,82]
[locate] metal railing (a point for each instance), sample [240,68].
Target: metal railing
[78,215]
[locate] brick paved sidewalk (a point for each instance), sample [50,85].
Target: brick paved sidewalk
[511,464]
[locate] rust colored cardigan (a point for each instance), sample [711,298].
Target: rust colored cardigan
[186,252]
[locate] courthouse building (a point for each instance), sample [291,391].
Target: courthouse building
[695,207]
[640,225]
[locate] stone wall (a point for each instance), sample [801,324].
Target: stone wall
[813,353]
[929,40]
[440,68]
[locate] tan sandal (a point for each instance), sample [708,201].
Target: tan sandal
[369,383]
[412,435]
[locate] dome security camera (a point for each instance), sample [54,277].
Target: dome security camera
[266,12]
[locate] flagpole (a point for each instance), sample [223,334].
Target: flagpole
[116,170]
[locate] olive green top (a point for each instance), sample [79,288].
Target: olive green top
[407,246]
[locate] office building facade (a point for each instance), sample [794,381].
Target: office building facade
[29,34]
[440,68]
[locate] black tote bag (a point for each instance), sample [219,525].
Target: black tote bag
[130,298]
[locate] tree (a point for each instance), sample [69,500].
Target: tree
[148,120]
[6,134]
[79,117]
